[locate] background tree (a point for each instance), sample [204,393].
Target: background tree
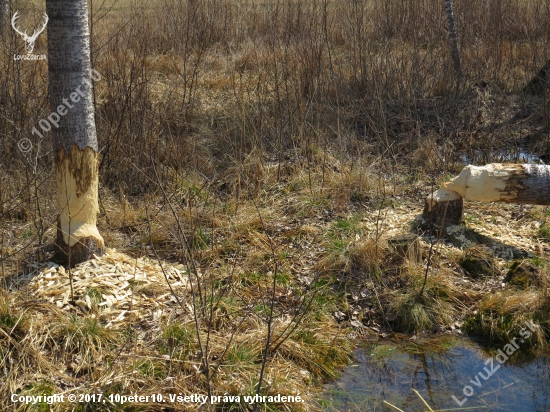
[75,140]
[453,39]
[4,15]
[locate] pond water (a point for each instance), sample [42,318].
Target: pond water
[481,157]
[440,369]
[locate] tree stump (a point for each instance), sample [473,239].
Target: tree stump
[406,246]
[509,183]
[443,207]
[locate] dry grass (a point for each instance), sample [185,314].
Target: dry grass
[272,147]
[163,354]
[502,315]
[436,307]
[326,260]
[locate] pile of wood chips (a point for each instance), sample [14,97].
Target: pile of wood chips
[113,288]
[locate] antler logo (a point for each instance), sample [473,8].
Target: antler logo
[29,40]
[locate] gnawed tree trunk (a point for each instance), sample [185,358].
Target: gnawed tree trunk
[75,139]
[453,38]
[510,183]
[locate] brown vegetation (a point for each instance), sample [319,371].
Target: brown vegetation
[264,145]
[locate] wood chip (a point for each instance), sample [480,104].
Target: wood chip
[112,275]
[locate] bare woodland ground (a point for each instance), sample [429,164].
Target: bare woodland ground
[272,148]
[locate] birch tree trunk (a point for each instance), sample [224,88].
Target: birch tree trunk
[509,183]
[4,17]
[73,130]
[453,38]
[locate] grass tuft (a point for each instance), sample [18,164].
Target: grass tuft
[415,312]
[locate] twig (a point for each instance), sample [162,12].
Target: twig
[393,406]
[422,399]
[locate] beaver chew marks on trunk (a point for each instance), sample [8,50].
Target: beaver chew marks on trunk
[77,185]
[510,183]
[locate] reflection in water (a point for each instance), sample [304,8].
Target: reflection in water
[482,157]
[439,369]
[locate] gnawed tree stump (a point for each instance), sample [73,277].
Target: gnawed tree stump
[510,183]
[443,207]
[406,246]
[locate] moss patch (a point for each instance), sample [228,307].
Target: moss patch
[523,274]
[478,262]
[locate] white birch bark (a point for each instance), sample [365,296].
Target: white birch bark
[74,140]
[4,16]
[510,183]
[453,38]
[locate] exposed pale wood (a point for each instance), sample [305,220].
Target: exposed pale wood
[73,130]
[511,183]
[453,37]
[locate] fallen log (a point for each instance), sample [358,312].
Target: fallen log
[510,183]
